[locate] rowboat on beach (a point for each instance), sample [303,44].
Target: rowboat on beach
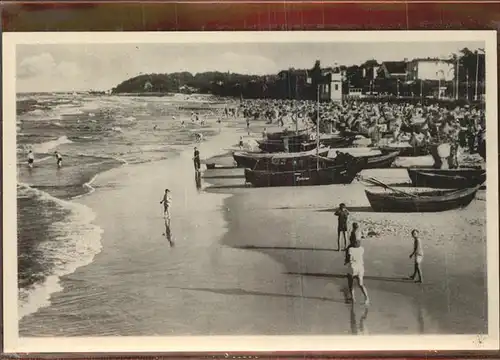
[447,178]
[424,201]
[300,135]
[323,174]
[279,146]
[250,159]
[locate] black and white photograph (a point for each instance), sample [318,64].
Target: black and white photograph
[251,191]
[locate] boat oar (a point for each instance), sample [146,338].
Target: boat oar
[380,183]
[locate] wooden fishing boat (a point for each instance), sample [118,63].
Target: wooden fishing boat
[446,178]
[384,160]
[378,161]
[279,146]
[325,174]
[407,151]
[426,201]
[336,141]
[301,135]
[250,159]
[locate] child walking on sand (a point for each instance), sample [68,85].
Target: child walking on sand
[342,215]
[354,260]
[417,255]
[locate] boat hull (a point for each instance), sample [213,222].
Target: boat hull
[381,161]
[447,179]
[339,174]
[272,146]
[433,202]
[301,136]
[337,142]
[249,160]
[408,151]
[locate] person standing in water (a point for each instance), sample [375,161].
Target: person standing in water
[355,262]
[167,202]
[196,160]
[31,159]
[417,255]
[58,159]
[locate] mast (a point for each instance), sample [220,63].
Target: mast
[317,129]
[477,72]
[294,114]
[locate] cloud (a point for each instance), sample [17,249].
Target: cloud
[246,63]
[36,65]
[44,65]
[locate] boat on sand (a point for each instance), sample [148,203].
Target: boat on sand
[250,159]
[422,201]
[447,178]
[324,173]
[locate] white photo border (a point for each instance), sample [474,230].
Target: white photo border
[14,344]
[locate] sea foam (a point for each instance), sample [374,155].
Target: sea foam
[76,243]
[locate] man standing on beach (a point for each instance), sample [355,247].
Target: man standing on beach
[196,160]
[343,216]
[356,267]
[417,255]
[167,202]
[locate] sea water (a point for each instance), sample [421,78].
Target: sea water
[93,134]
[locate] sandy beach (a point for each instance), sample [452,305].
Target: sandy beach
[297,228]
[252,261]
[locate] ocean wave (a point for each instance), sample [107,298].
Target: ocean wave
[50,145]
[75,244]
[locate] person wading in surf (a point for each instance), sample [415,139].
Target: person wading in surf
[31,159]
[167,202]
[58,159]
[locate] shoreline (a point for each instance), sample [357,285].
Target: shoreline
[72,197]
[56,285]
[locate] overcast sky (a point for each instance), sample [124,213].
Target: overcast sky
[102,66]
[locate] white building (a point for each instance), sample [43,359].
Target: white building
[431,69]
[336,87]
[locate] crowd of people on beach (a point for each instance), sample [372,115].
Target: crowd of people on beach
[416,123]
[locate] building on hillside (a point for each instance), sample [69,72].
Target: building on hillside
[393,70]
[431,69]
